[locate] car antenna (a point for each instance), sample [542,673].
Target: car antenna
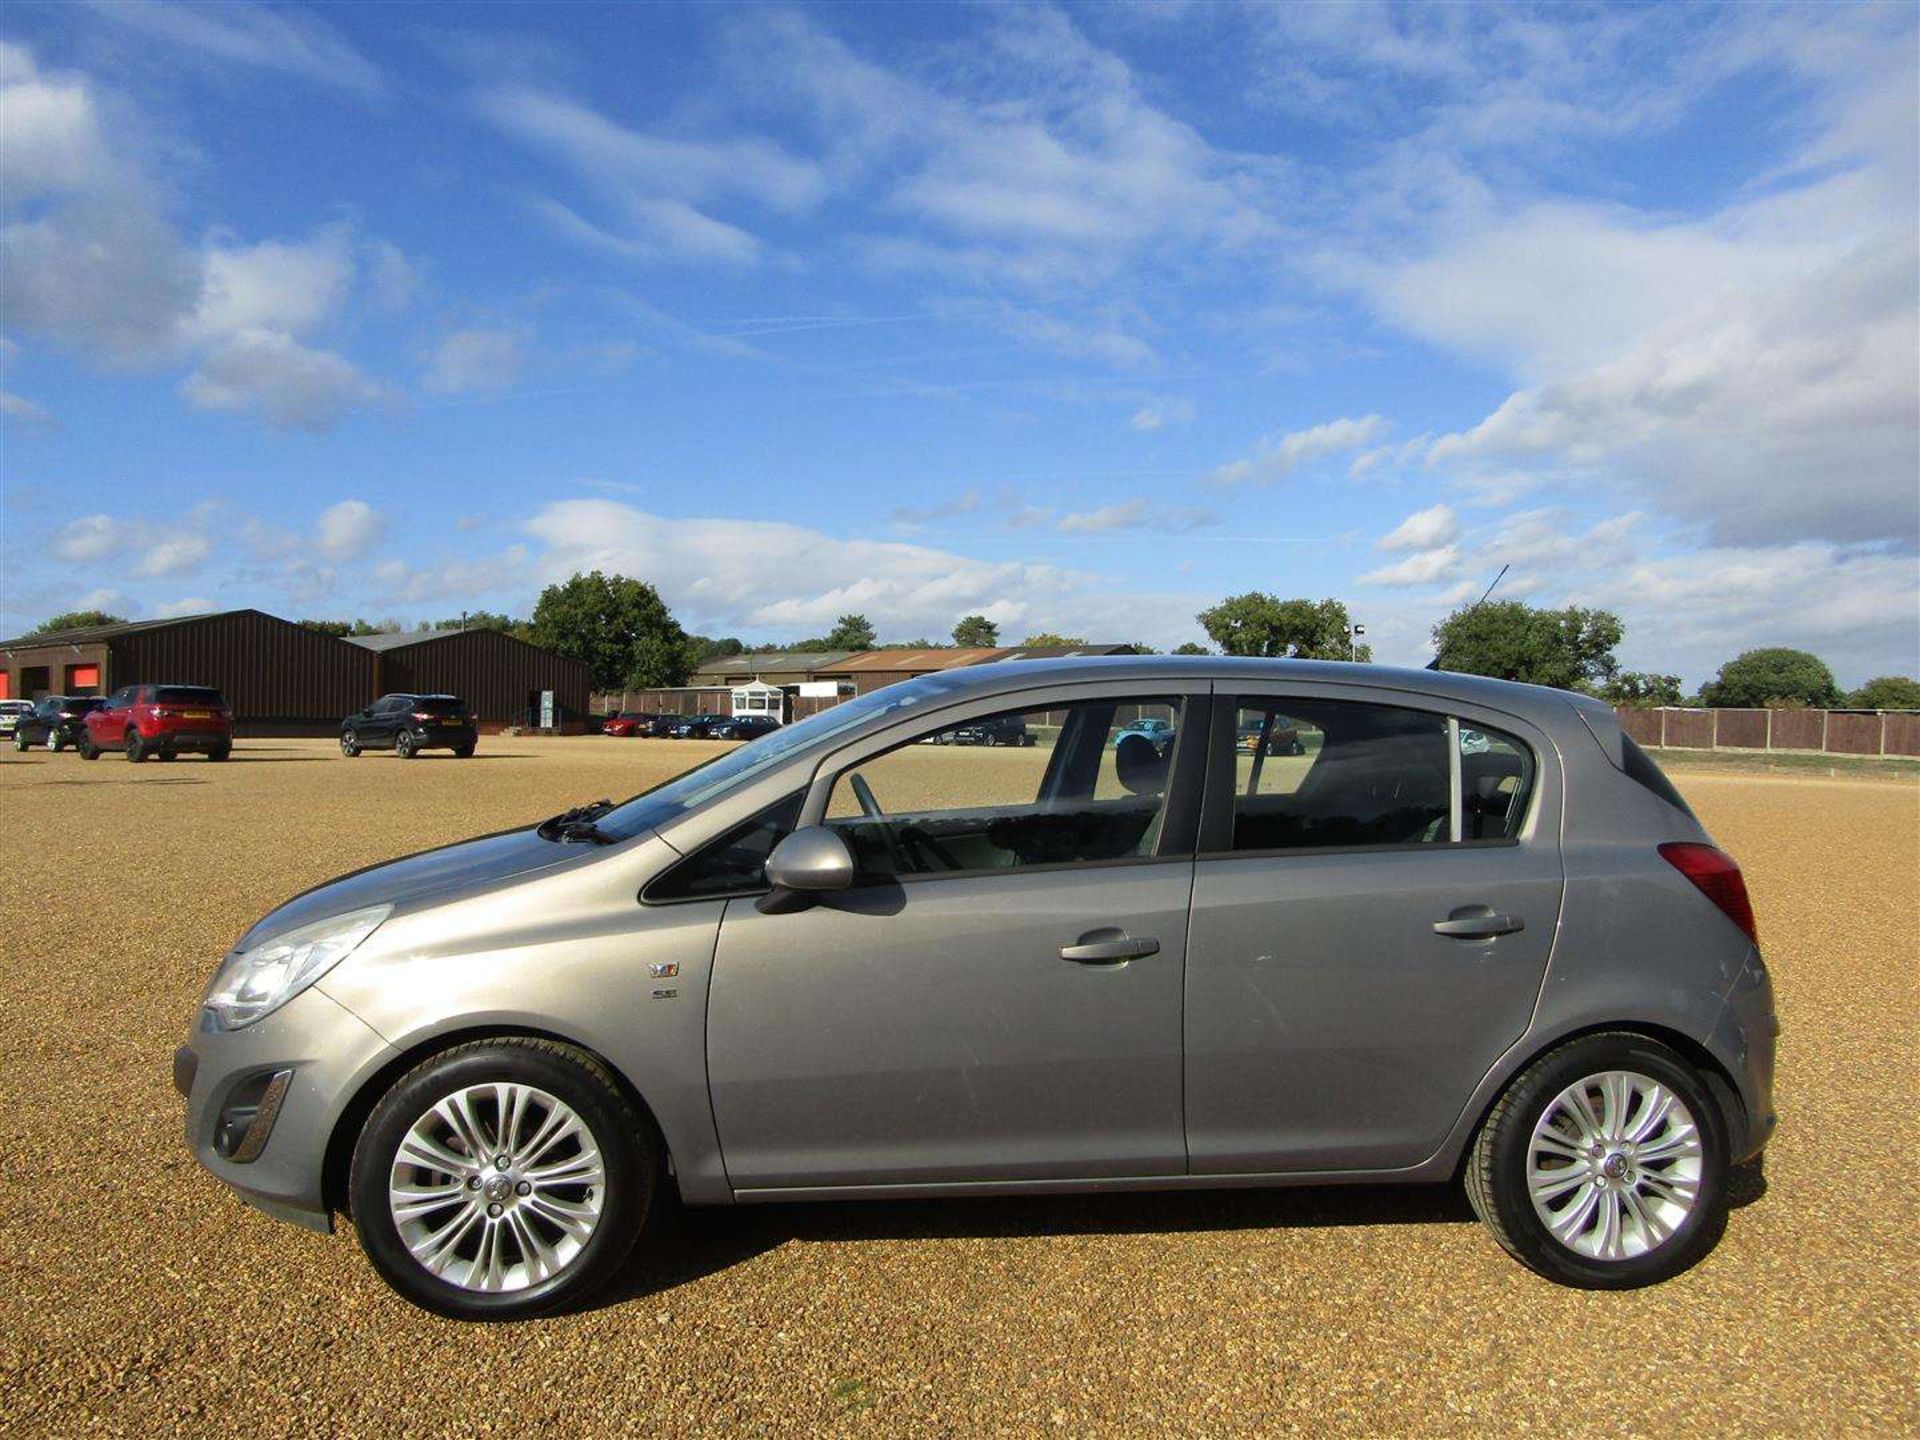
[1434,663]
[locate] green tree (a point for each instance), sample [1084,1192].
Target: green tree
[618,626]
[1887,692]
[976,632]
[1047,637]
[850,632]
[484,620]
[77,620]
[1191,647]
[1634,687]
[344,628]
[1771,675]
[702,648]
[1260,624]
[1569,649]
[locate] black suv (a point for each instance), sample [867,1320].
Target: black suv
[55,722]
[996,730]
[408,724]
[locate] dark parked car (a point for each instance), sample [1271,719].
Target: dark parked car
[408,724]
[56,722]
[696,727]
[159,722]
[746,727]
[12,712]
[804,972]
[1000,730]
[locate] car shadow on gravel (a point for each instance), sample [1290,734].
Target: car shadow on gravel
[683,1243]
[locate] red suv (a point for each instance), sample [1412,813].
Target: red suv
[162,721]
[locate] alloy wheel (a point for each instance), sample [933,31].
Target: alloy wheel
[1614,1165]
[497,1187]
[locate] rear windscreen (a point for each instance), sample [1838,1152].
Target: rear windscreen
[440,705]
[187,695]
[1640,767]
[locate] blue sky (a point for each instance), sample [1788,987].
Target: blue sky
[1082,317]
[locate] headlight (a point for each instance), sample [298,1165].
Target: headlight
[253,983]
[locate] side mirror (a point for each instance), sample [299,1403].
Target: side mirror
[811,861]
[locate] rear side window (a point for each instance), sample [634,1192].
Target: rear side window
[734,864]
[1496,777]
[1320,774]
[1641,769]
[187,695]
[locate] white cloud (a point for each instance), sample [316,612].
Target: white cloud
[1135,514]
[90,538]
[476,360]
[289,385]
[25,416]
[1158,414]
[1423,567]
[276,285]
[1276,457]
[1423,530]
[180,553]
[174,608]
[97,268]
[347,530]
[272,39]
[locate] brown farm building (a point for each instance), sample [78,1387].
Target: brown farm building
[284,679]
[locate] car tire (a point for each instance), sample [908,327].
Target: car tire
[88,750]
[1573,1129]
[349,744]
[163,754]
[54,742]
[403,745]
[220,752]
[463,752]
[485,1271]
[136,748]
[19,742]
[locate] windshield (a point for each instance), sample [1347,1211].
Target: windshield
[739,767]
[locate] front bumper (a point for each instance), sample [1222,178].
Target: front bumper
[324,1052]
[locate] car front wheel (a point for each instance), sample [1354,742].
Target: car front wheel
[349,744]
[502,1179]
[1604,1166]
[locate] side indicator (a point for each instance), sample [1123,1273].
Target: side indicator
[664,972]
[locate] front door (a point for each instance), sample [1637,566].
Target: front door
[998,997]
[1365,945]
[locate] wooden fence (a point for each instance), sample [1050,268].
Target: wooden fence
[1820,732]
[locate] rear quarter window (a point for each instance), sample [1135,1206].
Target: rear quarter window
[1642,770]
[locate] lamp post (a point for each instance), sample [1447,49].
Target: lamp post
[1354,632]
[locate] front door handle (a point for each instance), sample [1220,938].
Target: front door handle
[1478,922]
[1109,947]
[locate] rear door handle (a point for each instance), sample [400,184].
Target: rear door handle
[1109,947]
[1478,922]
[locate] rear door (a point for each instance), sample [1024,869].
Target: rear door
[1372,919]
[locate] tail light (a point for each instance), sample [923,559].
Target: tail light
[423,715]
[160,712]
[1715,876]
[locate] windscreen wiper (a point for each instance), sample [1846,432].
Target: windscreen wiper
[577,824]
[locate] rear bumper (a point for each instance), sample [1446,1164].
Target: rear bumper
[1746,1037]
[194,740]
[433,737]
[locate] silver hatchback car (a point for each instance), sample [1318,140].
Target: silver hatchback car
[1452,929]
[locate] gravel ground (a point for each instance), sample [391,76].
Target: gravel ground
[143,1299]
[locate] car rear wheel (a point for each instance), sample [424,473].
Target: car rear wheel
[1604,1166]
[163,754]
[19,742]
[349,744]
[464,752]
[502,1179]
[88,750]
[220,752]
[136,747]
[403,745]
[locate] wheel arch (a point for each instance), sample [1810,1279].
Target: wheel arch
[1714,1072]
[338,1160]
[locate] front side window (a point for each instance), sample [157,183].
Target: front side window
[1063,786]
